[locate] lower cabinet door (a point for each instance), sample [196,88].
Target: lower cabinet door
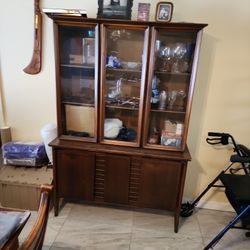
[159,184]
[75,174]
[116,181]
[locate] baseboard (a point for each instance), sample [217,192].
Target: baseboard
[213,205]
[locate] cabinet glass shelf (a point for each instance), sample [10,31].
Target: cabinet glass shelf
[82,66]
[78,81]
[123,83]
[78,104]
[121,107]
[172,73]
[123,70]
[168,111]
[169,92]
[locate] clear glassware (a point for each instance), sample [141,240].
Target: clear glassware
[173,56]
[180,64]
[122,82]
[172,95]
[166,53]
[176,99]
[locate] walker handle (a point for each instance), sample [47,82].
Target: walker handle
[220,138]
[216,134]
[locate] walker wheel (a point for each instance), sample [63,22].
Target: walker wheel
[187,209]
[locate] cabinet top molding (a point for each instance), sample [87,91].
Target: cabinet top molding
[176,25]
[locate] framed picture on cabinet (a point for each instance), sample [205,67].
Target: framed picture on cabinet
[143,11]
[115,9]
[164,11]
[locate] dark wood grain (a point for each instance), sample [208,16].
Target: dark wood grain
[75,178]
[96,147]
[116,179]
[159,183]
[130,174]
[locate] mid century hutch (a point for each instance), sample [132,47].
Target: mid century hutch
[124,94]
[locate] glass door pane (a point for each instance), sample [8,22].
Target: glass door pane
[78,79]
[123,85]
[169,90]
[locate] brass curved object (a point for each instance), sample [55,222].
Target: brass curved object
[34,66]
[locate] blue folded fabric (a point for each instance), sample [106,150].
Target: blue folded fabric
[18,150]
[9,223]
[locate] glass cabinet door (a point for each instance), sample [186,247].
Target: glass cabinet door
[170,87]
[78,64]
[122,84]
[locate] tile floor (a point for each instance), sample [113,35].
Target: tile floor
[85,227]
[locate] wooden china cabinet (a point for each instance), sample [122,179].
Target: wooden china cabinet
[124,94]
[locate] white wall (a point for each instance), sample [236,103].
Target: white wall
[222,94]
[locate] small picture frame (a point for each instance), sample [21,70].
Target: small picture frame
[115,9]
[164,11]
[143,11]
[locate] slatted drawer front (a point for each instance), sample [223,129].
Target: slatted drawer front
[134,180]
[99,177]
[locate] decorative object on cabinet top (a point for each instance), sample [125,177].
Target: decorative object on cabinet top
[164,11]
[115,9]
[66,12]
[143,11]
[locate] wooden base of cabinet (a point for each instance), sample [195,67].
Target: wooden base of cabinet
[126,178]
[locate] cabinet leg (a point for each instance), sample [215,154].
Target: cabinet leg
[179,197]
[176,222]
[56,206]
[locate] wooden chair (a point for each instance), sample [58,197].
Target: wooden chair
[34,240]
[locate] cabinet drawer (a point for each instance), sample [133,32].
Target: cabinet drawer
[75,174]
